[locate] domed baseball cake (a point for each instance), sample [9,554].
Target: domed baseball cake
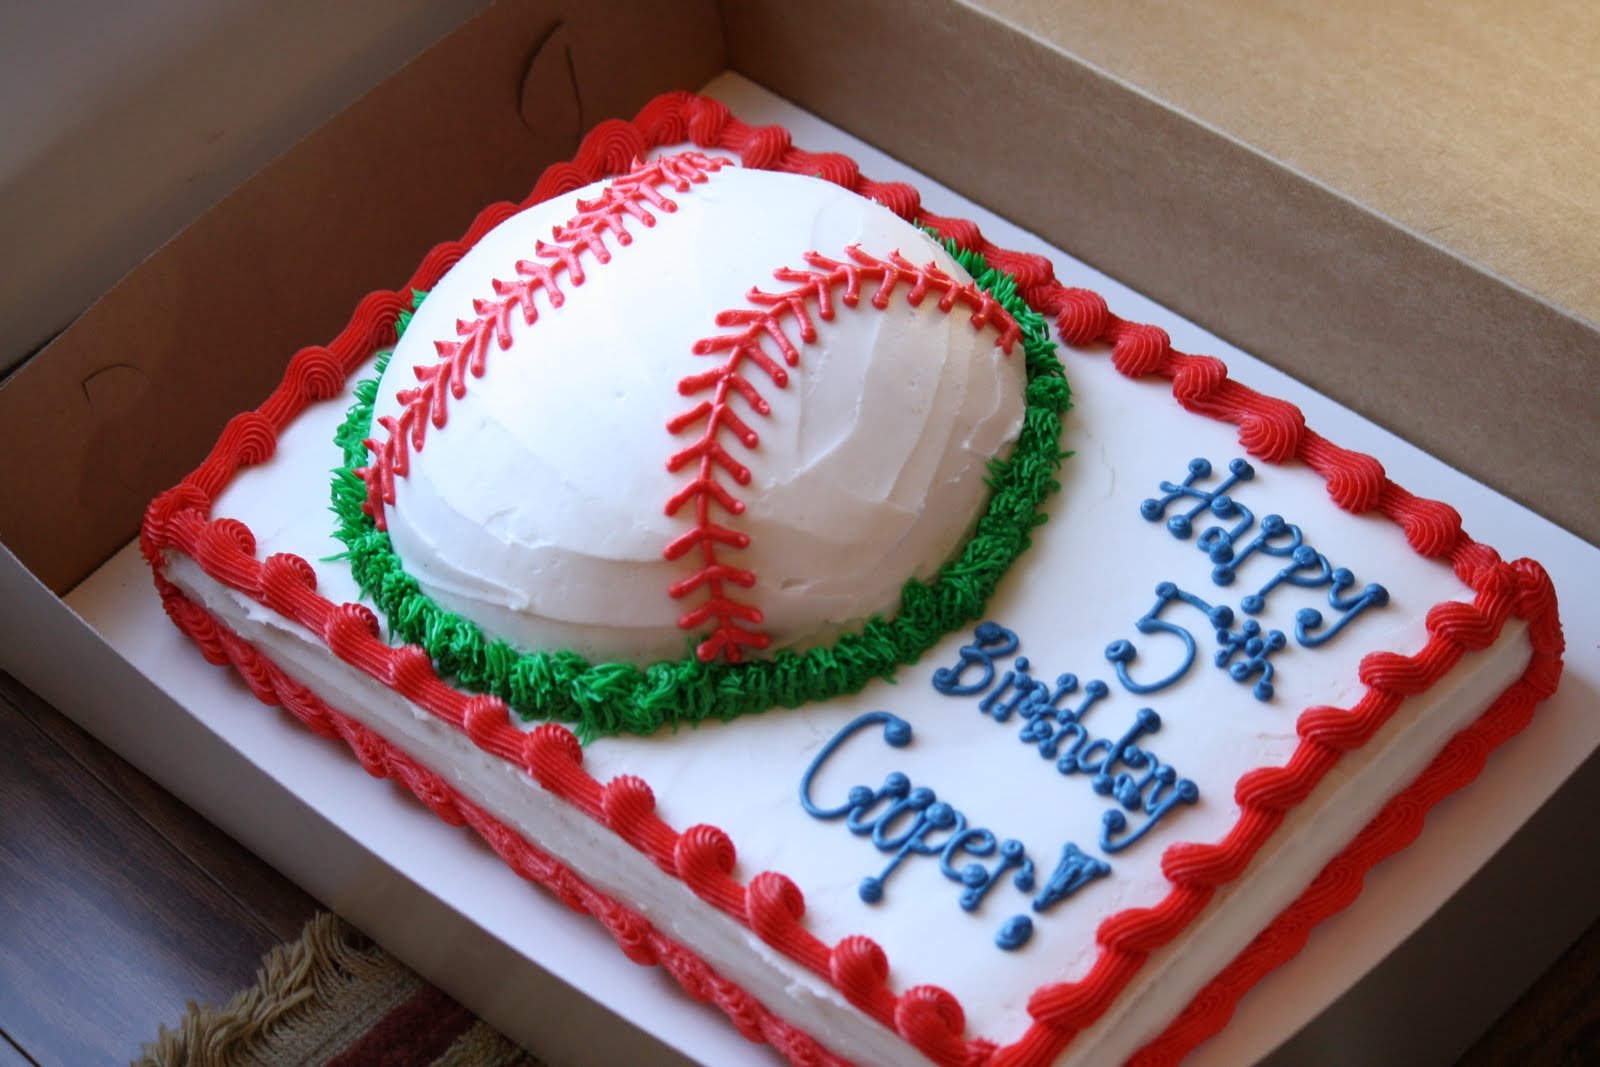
[698,405]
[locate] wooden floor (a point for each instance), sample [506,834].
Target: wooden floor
[118,904]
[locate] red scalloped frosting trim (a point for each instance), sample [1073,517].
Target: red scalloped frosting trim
[638,939]
[774,317]
[703,856]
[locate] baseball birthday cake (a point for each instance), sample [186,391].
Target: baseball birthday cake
[724,537]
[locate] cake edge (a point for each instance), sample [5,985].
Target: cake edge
[1269,429]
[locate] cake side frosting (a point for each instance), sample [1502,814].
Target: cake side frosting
[640,940]
[1501,593]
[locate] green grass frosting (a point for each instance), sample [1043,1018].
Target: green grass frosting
[601,699]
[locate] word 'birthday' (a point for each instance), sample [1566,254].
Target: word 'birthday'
[1119,768]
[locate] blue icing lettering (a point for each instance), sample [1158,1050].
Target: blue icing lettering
[1276,538]
[1048,724]
[991,640]
[1162,799]
[1075,870]
[1218,543]
[1308,569]
[896,733]
[920,813]
[979,879]
[1117,766]
[1016,688]
[1014,933]
[1253,647]
[1123,652]
[1182,525]
[1228,549]
[903,821]
[1114,752]
[1310,619]
[896,786]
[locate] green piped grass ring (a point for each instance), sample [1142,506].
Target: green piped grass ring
[604,699]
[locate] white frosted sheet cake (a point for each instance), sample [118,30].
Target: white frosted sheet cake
[1068,815]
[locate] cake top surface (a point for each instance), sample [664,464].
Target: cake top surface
[1217,614]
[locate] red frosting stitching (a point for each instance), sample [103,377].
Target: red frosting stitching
[585,234]
[929,1019]
[774,317]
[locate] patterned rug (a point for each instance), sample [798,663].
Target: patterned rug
[334,999]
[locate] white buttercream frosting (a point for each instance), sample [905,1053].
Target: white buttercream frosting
[1088,579]
[539,509]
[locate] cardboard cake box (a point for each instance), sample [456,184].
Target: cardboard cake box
[133,394]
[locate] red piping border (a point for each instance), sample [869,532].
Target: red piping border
[635,936]
[1270,429]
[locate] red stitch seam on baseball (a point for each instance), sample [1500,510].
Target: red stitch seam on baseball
[585,234]
[774,317]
